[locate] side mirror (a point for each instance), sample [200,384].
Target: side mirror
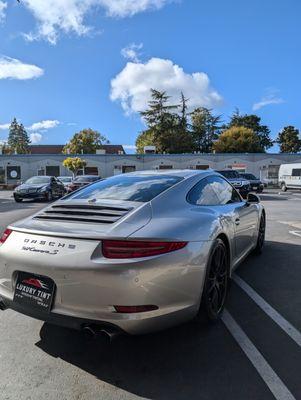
[253,198]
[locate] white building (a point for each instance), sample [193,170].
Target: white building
[14,168]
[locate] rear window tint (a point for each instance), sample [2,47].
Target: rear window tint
[128,188]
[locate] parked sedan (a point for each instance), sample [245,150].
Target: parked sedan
[39,187]
[256,184]
[136,253]
[81,181]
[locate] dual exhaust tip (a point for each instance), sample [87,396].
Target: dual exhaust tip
[96,332]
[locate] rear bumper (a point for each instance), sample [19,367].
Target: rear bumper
[58,319]
[88,286]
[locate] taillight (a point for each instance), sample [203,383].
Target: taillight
[137,249]
[5,235]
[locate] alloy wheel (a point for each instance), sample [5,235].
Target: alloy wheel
[217,282]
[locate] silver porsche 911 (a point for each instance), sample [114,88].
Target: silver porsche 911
[134,253]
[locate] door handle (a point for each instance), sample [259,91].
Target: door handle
[237,221]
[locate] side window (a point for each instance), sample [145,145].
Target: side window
[296,172]
[213,191]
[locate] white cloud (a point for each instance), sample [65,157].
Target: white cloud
[3,6]
[43,125]
[11,68]
[270,98]
[132,85]
[4,127]
[35,137]
[68,16]
[131,52]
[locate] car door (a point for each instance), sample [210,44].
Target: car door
[244,215]
[246,221]
[61,187]
[238,217]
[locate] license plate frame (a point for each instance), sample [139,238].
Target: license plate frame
[35,292]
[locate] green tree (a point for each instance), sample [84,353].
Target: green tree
[18,140]
[289,140]
[205,129]
[74,164]
[237,139]
[145,138]
[167,124]
[87,141]
[253,122]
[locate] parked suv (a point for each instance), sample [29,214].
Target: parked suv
[240,184]
[256,184]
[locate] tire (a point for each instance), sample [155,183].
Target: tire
[283,187]
[216,283]
[261,235]
[18,200]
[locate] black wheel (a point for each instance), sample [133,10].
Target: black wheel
[261,235]
[18,200]
[283,187]
[216,283]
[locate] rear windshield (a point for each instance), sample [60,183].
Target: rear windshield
[86,178]
[128,188]
[229,174]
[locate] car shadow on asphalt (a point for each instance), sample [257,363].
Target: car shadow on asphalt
[186,362]
[191,361]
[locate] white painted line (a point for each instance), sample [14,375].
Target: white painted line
[271,379]
[286,326]
[296,233]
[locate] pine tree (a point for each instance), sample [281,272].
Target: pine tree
[18,140]
[167,123]
[289,140]
[205,128]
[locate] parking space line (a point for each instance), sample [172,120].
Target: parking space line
[286,326]
[296,233]
[271,379]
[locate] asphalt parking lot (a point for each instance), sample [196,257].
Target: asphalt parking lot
[254,353]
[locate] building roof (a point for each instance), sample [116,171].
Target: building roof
[58,148]
[46,148]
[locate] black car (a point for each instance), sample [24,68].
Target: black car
[81,181]
[40,188]
[240,184]
[256,184]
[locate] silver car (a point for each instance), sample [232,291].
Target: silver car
[133,253]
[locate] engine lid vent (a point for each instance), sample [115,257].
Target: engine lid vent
[83,213]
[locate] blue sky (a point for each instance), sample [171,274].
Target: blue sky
[67,65]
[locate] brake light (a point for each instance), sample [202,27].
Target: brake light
[136,249]
[5,235]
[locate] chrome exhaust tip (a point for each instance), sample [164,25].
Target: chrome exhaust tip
[95,332]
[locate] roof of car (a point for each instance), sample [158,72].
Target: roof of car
[184,173]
